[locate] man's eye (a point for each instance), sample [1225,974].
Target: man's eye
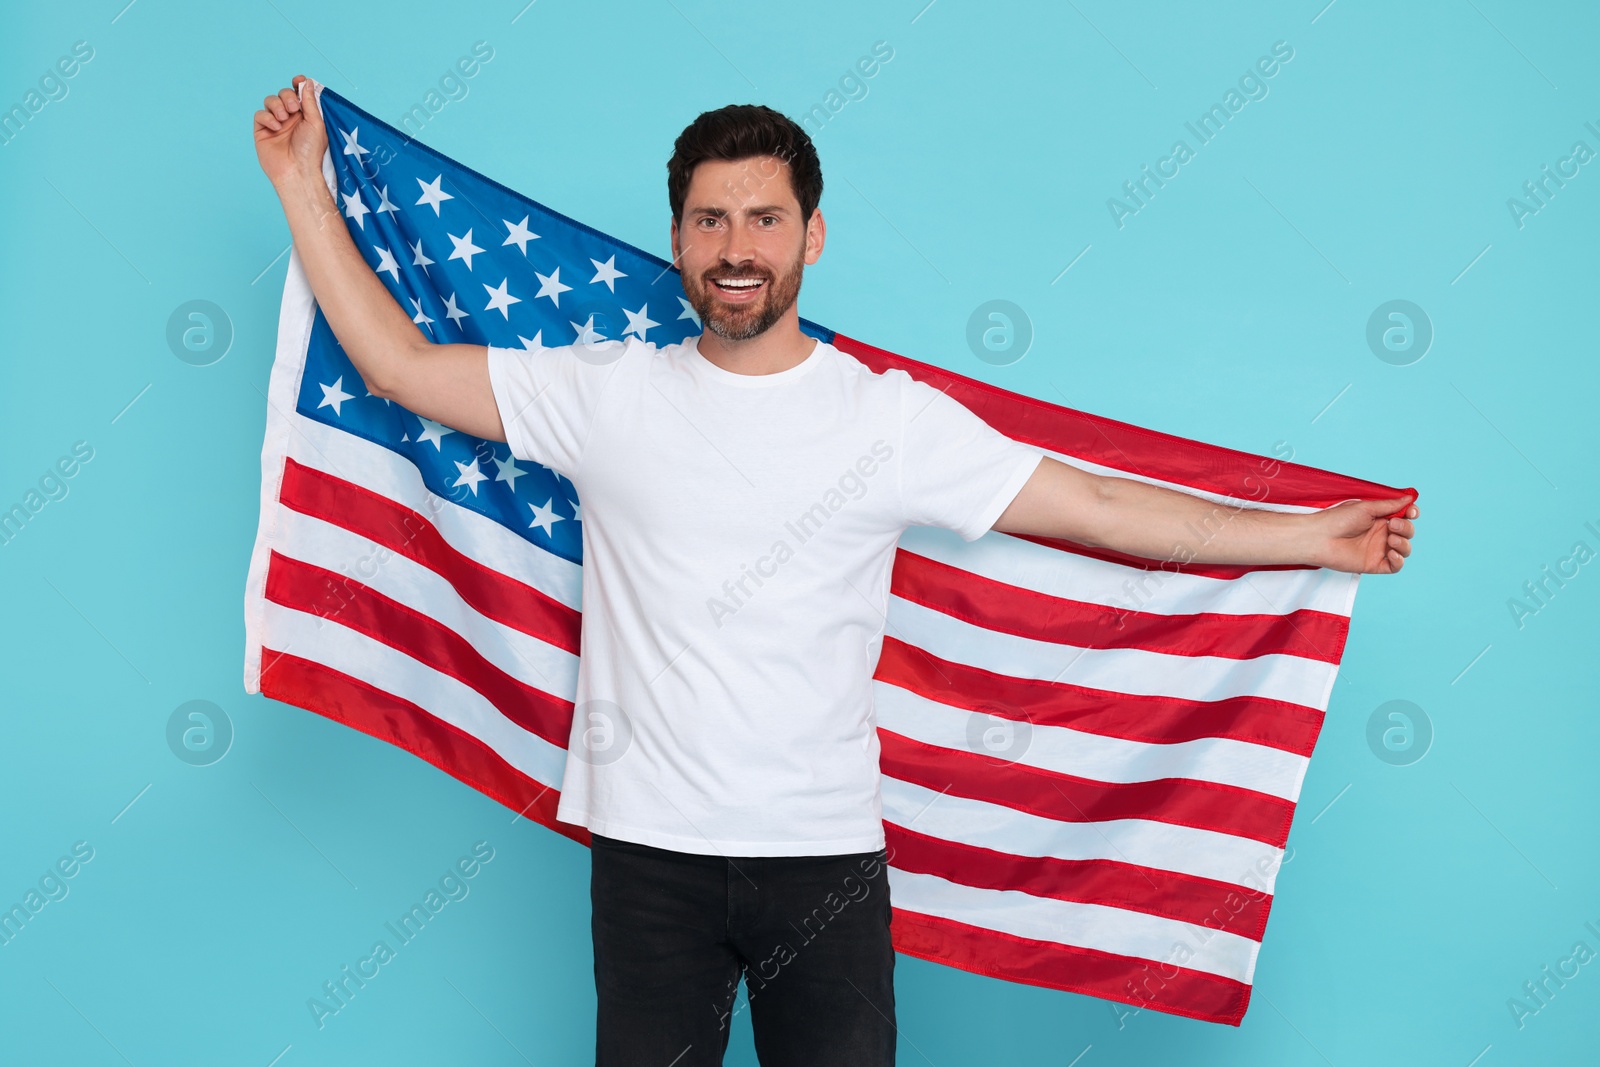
[769,218]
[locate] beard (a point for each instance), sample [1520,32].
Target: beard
[741,322]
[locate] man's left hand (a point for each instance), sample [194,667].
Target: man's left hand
[1366,536]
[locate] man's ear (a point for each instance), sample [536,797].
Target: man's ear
[675,251]
[816,236]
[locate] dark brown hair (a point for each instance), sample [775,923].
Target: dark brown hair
[740,131]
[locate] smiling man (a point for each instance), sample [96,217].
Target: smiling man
[743,494]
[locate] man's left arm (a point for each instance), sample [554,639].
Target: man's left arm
[1059,500]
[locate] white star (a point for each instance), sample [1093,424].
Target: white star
[355,209]
[452,312]
[334,395]
[509,471]
[432,195]
[577,512]
[386,263]
[639,321]
[587,334]
[383,201]
[500,300]
[688,312]
[520,234]
[434,432]
[545,517]
[421,317]
[470,475]
[606,272]
[536,343]
[418,257]
[350,146]
[551,286]
[465,249]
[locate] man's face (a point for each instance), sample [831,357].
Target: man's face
[742,246]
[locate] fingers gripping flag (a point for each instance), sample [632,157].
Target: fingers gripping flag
[1089,761]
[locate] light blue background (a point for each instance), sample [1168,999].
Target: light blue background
[1232,308]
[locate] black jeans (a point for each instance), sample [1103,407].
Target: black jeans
[674,932]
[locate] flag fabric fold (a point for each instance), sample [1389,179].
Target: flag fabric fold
[1090,762]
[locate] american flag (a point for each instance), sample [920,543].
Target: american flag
[1090,762]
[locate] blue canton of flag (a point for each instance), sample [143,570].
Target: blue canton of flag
[473,262]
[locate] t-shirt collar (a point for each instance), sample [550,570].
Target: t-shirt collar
[710,370]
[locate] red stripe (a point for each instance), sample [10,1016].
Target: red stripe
[325,691]
[331,595]
[1038,616]
[1185,897]
[1128,979]
[337,696]
[1157,720]
[1225,809]
[1130,448]
[396,527]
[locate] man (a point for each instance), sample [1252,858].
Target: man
[733,637]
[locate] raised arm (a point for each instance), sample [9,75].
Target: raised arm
[1360,536]
[448,383]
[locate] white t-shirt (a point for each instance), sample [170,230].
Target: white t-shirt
[738,537]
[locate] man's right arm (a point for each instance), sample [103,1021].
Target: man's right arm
[448,383]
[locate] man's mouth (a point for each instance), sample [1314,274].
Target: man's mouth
[738,288]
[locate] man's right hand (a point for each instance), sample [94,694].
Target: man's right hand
[290,137]
[448,383]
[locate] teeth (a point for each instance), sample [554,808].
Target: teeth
[738,283]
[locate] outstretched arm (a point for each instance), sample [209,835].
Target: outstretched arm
[447,383]
[1361,536]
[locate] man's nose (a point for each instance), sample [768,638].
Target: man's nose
[738,247]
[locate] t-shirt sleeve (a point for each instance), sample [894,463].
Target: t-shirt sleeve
[547,398]
[956,470]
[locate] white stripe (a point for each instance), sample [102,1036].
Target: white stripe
[1085,755]
[295,315]
[373,467]
[1065,922]
[527,659]
[443,697]
[1143,842]
[1118,670]
[1026,564]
